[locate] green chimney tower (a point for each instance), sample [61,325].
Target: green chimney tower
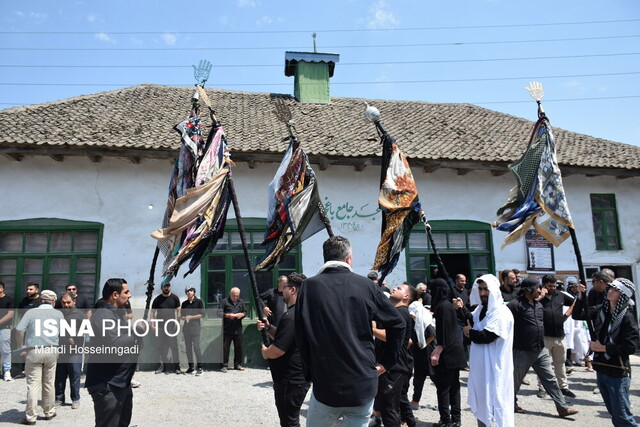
[312,71]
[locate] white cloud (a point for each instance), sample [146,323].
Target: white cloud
[92,18]
[19,13]
[224,19]
[603,89]
[169,38]
[247,3]
[381,16]
[573,83]
[104,37]
[265,20]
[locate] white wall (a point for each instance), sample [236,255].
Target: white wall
[118,194]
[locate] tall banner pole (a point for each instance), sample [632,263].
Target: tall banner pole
[247,259]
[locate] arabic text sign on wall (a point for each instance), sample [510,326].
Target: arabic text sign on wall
[348,216]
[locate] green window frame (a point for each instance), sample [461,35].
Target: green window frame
[605,222]
[225,267]
[52,252]
[469,243]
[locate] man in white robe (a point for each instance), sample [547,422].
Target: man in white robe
[490,384]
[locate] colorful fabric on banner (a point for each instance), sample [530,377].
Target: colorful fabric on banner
[538,200]
[294,206]
[195,217]
[400,206]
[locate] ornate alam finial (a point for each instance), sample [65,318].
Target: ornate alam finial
[371,114]
[535,90]
[201,72]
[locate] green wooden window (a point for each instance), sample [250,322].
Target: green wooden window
[605,222]
[464,246]
[226,267]
[51,252]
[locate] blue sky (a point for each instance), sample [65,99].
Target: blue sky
[585,53]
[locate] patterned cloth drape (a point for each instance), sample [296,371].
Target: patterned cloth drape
[294,206]
[198,198]
[538,200]
[399,203]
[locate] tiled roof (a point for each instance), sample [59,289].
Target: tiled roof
[141,118]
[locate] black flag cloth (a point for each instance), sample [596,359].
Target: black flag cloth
[399,203]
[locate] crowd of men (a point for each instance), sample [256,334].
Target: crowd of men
[358,343]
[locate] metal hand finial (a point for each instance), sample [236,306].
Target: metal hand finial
[202,71]
[535,90]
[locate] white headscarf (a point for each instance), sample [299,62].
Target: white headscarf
[495,296]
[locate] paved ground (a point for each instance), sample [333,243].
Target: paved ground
[246,399]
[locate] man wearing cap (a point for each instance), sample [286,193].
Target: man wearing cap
[166,306]
[616,330]
[41,350]
[554,317]
[192,310]
[528,346]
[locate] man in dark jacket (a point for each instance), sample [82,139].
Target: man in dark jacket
[334,311]
[233,311]
[109,375]
[528,346]
[617,332]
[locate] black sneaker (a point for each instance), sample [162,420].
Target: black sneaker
[178,371]
[199,372]
[190,370]
[568,393]
[160,369]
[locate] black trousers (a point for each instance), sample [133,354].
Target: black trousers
[192,344]
[406,413]
[165,342]
[237,349]
[112,406]
[387,399]
[447,383]
[289,398]
[420,373]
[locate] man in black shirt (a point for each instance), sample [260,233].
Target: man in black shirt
[274,298]
[32,300]
[528,346]
[166,307]
[80,302]
[552,302]
[289,384]
[6,320]
[334,311]
[192,310]
[509,283]
[234,311]
[109,384]
[391,399]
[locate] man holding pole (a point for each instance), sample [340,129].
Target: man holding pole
[289,384]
